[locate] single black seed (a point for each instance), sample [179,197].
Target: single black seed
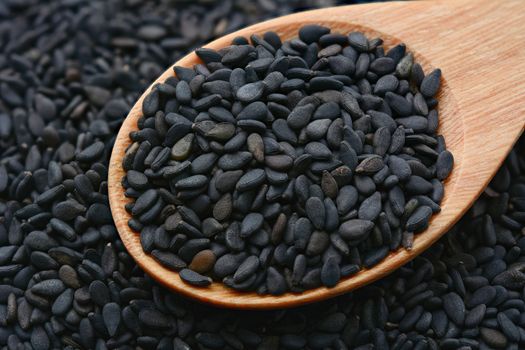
[370,207]
[404,66]
[223,208]
[63,229]
[300,116]
[283,132]
[40,339]
[370,165]
[246,269]
[312,33]
[418,185]
[318,243]
[355,229]
[194,278]
[168,259]
[250,92]
[454,308]
[275,282]
[330,273]
[511,279]
[51,287]
[383,66]
[419,219]
[183,92]
[251,223]
[91,153]
[358,41]
[346,199]
[316,212]
[99,293]
[251,180]
[153,318]
[112,318]
[475,316]
[431,83]
[302,232]
[493,338]
[329,185]
[444,164]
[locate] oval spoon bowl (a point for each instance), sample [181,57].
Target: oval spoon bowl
[471,128]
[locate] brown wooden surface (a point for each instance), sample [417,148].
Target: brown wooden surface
[479,45]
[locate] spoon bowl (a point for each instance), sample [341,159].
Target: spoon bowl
[478,46]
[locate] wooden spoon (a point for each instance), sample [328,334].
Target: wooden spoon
[479,45]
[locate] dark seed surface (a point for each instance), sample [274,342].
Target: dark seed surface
[52,51]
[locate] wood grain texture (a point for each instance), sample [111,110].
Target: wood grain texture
[479,45]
